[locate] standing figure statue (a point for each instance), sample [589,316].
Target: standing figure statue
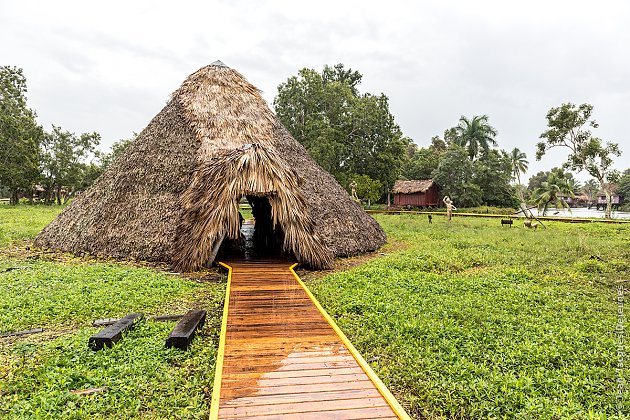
[449,207]
[353,188]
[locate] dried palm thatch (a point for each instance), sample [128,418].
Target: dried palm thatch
[412,186]
[211,206]
[172,196]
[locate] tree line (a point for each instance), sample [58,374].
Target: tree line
[51,165]
[354,136]
[351,134]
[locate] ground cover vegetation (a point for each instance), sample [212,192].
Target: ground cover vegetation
[472,320]
[460,320]
[63,295]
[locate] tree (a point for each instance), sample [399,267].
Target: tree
[422,163]
[64,159]
[368,189]
[591,188]
[519,163]
[519,166]
[454,175]
[535,181]
[492,173]
[566,129]
[346,132]
[475,134]
[20,135]
[552,191]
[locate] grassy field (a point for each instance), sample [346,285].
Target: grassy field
[142,379]
[460,320]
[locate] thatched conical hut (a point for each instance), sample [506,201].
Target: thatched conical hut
[173,195]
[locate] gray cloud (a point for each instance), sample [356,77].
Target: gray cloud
[110,67]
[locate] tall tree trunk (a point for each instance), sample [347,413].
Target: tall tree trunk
[15,198]
[608,211]
[58,195]
[389,203]
[67,197]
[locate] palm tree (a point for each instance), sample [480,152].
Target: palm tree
[590,188]
[519,163]
[551,192]
[519,166]
[475,134]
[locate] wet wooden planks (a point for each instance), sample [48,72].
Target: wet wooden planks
[282,359]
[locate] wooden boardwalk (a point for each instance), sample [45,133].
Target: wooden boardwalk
[281,356]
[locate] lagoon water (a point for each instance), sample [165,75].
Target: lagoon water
[584,212]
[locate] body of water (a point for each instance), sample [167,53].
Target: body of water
[584,212]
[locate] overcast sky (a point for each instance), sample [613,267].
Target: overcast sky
[110,66]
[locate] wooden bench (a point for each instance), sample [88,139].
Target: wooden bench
[507,222]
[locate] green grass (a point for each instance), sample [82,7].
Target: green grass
[467,320]
[473,320]
[24,221]
[141,377]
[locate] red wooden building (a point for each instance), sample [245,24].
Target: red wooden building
[416,193]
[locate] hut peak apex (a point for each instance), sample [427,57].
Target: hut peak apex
[219,63]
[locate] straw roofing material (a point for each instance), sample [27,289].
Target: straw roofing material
[412,186]
[172,196]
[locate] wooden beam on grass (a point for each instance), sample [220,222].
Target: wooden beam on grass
[24,332]
[113,333]
[184,331]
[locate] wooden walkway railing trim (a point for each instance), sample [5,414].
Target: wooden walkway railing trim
[216,389]
[391,400]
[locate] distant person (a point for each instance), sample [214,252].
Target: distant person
[449,207]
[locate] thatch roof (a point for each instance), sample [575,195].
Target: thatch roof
[412,186]
[173,194]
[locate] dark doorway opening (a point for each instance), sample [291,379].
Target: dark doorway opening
[259,237]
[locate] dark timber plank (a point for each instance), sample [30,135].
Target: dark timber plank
[113,333]
[23,332]
[184,331]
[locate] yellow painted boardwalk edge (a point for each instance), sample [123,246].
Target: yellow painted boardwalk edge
[218,372]
[391,400]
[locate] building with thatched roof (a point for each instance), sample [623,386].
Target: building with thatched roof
[416,193]
[173,195]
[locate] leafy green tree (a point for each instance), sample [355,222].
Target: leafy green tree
[20,135]
[475,134]
[64,161]
[552,191]
[421,164]
[492,173]
[566,128]
[590,188]
[536,180]
[368,189]
[623,188]
[454,175]
[346,132]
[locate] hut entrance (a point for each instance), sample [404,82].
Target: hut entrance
[266,239]
[259,238]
